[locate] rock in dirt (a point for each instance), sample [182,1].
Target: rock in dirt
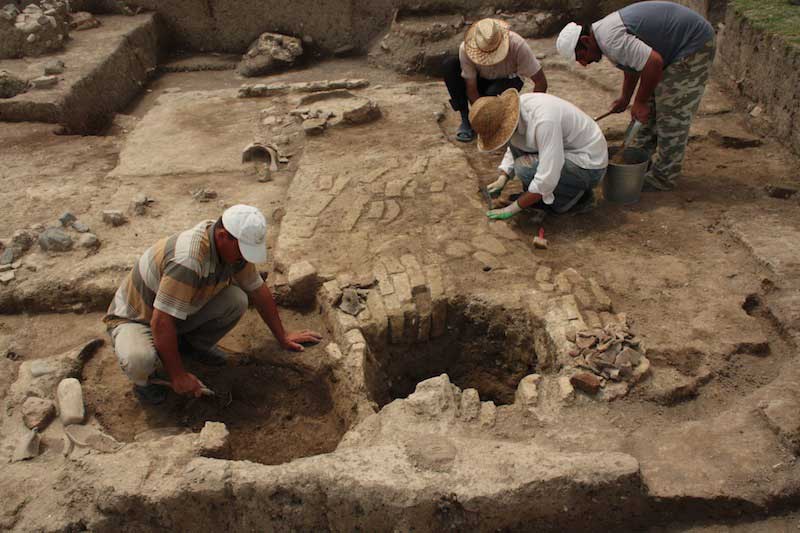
[367,112]
[10,85]
[9,255]
[140,203]
[83,21]
[80,227]
[55,66]
[527,395]
[88,241]
[204,195]
[566,392]
[782,193]
[55,240]
[37,412]
[67,219]
[43,82]
[7,277]
[269,53]
[314,126]
[586,382]
[23,239]
[213,441]
[70,401]
[27,446]
[91,437]
[114,218]
[303,281]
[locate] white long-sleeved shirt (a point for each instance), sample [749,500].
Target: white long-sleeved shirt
[556,130]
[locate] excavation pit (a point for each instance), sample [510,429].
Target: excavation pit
[484,347]
[276,406]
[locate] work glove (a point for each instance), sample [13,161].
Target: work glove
[504,213]
[496,187]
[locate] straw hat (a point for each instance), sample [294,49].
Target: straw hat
[486,42]
[494,119]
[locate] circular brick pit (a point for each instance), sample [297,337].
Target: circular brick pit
[487,348]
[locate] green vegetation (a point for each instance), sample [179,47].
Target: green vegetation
[775,16]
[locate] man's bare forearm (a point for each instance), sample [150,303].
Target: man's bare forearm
[472,91]
[650,78]
[165,339]
[268,309]
[629,85]
[539,82]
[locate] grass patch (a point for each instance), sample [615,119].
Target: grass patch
[774,16]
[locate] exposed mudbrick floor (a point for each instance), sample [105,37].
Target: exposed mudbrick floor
[460,383]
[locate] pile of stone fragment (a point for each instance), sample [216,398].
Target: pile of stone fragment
[46,392]
[609,355]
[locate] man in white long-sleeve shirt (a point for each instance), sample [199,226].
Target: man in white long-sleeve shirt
[556,150]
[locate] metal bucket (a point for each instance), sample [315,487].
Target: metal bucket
[623,183]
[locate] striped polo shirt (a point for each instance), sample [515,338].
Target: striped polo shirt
[178,275]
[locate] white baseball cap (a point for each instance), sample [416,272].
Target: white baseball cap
[249,226]
[568,40]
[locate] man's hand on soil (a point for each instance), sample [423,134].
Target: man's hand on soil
[188,385]
[294,341]
[504,213]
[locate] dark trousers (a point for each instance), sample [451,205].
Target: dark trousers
[457,86]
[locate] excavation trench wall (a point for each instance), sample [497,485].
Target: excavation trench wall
[765,69]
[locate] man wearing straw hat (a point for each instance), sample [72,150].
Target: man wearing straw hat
[668,50]
[490,60]
[556,150]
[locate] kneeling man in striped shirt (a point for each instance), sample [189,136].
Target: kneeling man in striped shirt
[186,293]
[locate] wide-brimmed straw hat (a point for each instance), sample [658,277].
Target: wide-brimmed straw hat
[486,42]
[494,119]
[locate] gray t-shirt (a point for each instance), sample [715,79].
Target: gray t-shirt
[672,30]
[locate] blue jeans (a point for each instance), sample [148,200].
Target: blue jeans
[573,184]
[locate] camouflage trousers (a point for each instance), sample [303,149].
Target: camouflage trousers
[672,107]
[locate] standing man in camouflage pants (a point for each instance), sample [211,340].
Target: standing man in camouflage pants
[666,49]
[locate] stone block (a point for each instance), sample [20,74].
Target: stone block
[486,259]
[37,412]
[396,318]
[603,302]
[586,382]
[70,401]
[212,441]
[330,293]
[489,244]
[566,392]
[527,395]
[55,240]
[434,396]
[303,282]
[9,255]
[415,276]
[367,112]
[352,337]
[269,53]
[7,277]
[424,312]
[54,66]
[402,287]
[433,274]
[470,405]
[488,414]
[80,227]
[88,241]
[378,327]
[334,352]
[385,286]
